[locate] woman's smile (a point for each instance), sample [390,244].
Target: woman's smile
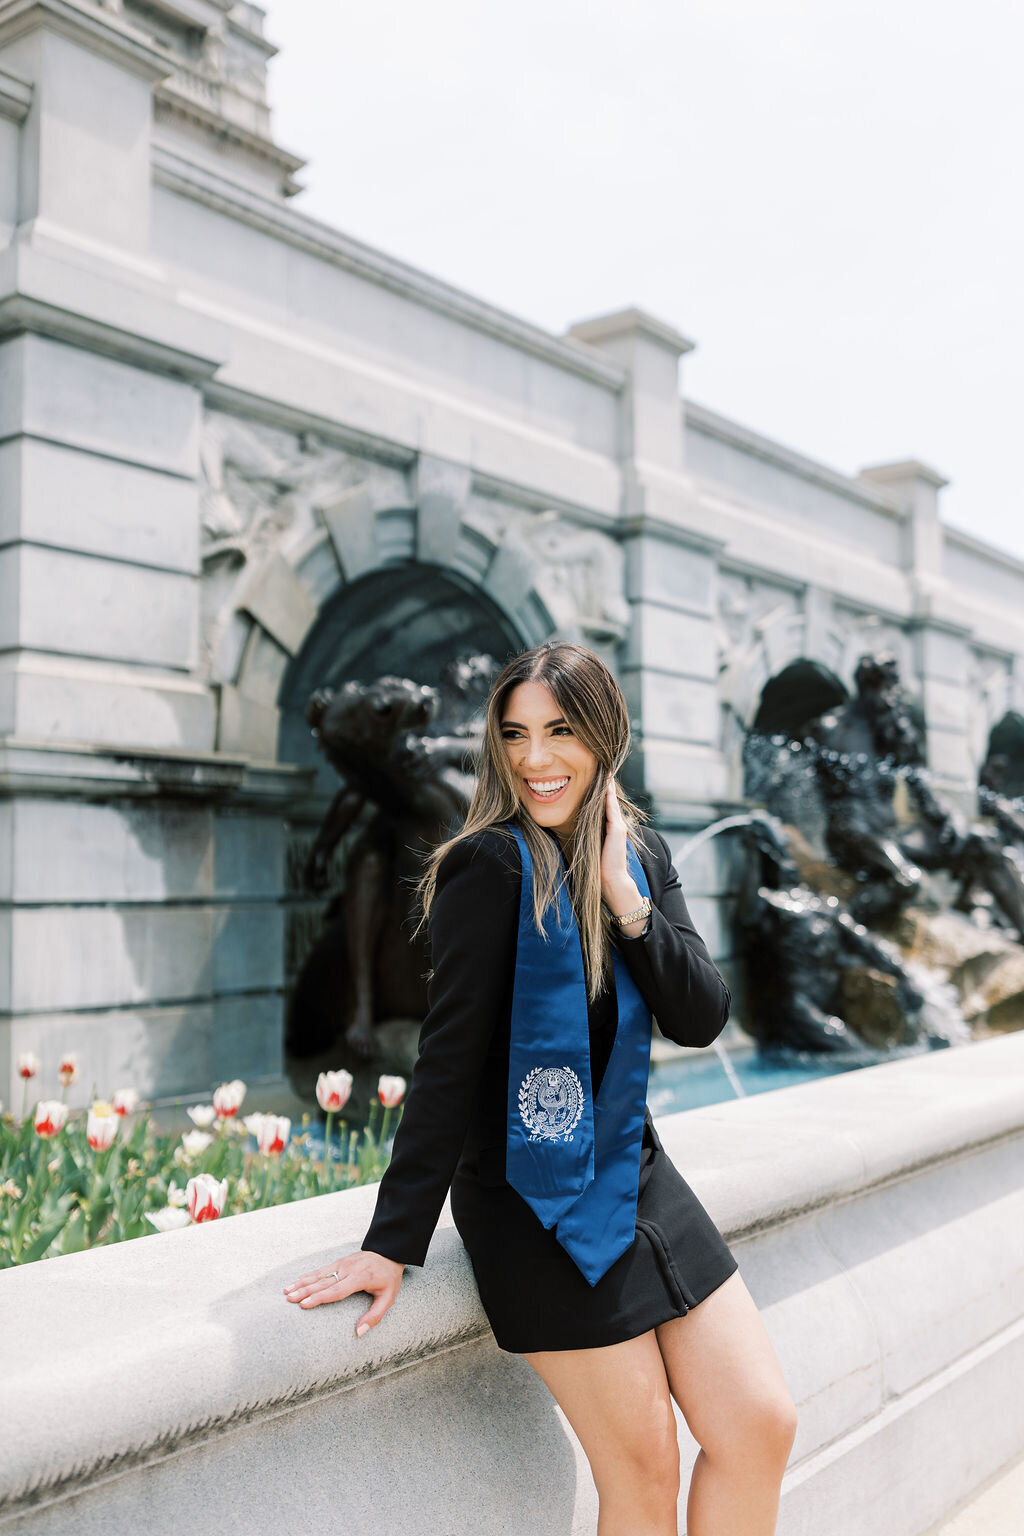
[546,789]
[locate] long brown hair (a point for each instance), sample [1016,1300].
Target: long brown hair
[592,705]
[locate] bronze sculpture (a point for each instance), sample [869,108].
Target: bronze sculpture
[415,784]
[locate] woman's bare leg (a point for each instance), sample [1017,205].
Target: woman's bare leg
[725,1375]
[617,1400]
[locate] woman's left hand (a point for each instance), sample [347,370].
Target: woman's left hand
[618,888]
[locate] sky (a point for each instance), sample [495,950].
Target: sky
[825,195]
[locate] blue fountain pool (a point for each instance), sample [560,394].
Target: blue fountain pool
[691,1081]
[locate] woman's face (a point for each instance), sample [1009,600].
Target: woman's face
[552,767]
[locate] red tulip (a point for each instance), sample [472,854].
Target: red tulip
[205,1197]
[50,1116]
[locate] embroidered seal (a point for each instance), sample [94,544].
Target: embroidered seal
[551,1103]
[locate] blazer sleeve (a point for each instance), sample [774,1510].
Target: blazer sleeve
[474,922]
[671,965]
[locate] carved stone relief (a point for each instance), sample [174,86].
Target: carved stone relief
[578,572]
[260,490]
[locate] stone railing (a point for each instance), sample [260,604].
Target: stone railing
[878,1219]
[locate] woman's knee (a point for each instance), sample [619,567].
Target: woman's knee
[763,1429]
[644,1463]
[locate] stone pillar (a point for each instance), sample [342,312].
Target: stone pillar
[100,374]
[652,421]
[668,664]
[135,924]
[941,637]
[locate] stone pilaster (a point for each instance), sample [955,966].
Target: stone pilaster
[100,402]
[669,662]
[940,633]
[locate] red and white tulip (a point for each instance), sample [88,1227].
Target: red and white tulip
[227,1099]
[101,1126]
[28,1064]
[126,1101]
[50,1117]
[272,1133]
[333,1089]
[68,1069]
[390,1090]
[205,1197]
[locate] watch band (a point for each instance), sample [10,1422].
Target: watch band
[634,917]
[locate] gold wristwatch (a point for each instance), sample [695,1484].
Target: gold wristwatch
[634,917]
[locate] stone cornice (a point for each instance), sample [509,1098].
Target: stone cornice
[902,470]
[182,176]
[512,493]
[229,397]
[993,552]
[637,524]
[15,97]
[174,97]
[70,301]
[101,32]
[711,424]
[632,322]
[70,769]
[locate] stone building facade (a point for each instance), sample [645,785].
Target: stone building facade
[239,449]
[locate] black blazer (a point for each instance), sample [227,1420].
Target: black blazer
[456,1107]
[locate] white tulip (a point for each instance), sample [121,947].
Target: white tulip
[195,1142]
[170,1217]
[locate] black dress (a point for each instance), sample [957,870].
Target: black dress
[453,1130]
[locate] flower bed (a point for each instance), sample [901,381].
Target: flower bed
[77,1180]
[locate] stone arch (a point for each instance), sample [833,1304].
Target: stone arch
[280,596]
[409,620]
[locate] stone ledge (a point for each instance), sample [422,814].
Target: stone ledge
[42,767]
[209,1344]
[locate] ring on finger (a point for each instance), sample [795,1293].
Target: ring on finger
[337,1277]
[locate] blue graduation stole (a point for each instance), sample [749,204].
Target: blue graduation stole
[576,1162]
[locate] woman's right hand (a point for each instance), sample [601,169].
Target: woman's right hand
[361,1271]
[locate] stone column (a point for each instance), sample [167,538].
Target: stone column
[941,635]
[668,665]
[100,374]
[136,925]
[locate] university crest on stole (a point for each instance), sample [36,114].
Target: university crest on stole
[551,1103]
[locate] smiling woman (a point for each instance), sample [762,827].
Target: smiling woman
[558,928]
[553,765]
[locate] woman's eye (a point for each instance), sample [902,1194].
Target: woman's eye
[559,730]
